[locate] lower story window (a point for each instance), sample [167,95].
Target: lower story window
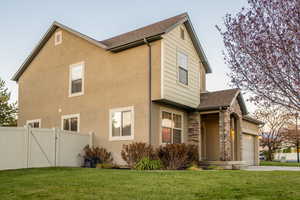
[34,123]
[171,124]
[121,123]
[70,123]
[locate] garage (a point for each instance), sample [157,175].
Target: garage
[249,149]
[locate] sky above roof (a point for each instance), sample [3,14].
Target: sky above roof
[23,23]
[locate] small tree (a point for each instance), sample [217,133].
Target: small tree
[8,110]
[292,138]
[276,119]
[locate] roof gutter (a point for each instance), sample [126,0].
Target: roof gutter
[135,43]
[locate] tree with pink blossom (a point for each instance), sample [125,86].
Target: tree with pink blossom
[262,49]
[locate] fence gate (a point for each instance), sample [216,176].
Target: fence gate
[37,147]
[41,148]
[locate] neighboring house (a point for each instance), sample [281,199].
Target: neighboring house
[109,87]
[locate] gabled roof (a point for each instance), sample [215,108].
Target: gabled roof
[154,32]
[43,41]
[219,99]
[157,28]
[127,40]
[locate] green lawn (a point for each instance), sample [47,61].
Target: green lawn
[77,183]
[275,163]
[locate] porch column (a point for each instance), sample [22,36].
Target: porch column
[224,136]
[194,130]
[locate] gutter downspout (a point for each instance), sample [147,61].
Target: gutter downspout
[149,86]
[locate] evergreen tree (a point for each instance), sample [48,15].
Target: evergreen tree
[8,111]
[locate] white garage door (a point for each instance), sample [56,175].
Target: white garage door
[248,149]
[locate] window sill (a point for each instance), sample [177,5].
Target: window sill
[182,84]
[121,138]
[76,94]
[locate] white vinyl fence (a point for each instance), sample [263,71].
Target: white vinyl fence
[285,157]
[26,147]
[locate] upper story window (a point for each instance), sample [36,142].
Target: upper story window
[121,123]
[171,127]
[70,122]
[182,64]
[58,38]
[36,123]
[76,85]
[182,33]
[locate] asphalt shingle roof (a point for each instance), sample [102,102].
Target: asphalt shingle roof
[157,28]
[217,99]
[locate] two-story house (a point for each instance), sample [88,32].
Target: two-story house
[147,85]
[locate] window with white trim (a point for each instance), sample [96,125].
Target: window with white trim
[121,123]
[70,122]
[58,38]
[182,62]
[171,127]
[76,79]
[36,123]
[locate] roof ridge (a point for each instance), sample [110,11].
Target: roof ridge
[185,14]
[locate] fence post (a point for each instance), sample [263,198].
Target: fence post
[57,149]
[27,145]
[91,144]
[55,146]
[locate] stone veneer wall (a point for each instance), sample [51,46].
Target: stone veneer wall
[194,130]
[224,135]
[224,132]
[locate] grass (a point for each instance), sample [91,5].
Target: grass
[276,163]
[81,184]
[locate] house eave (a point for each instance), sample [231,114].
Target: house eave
[175,104]
[135,43]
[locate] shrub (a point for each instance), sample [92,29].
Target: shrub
[134,152]
[148,164]
[177,156]
[96,155]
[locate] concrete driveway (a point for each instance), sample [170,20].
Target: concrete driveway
[272,168]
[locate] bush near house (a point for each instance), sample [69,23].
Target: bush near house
[178,156]
[96,155]
[148,164]
[134,152]
[170,156]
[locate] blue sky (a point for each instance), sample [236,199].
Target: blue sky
[24,22]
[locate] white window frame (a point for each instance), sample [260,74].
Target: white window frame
[70,79]
[187,68]
[63,117]
[57,42]
[182,127]
[33,121]
[118,138]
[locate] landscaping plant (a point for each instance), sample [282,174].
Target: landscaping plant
[148,164]
[177,156]
[95,155]
[134,152]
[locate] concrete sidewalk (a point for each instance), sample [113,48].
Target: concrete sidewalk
[272,168]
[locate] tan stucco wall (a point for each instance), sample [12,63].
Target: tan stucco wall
[112,80]
[249,127]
